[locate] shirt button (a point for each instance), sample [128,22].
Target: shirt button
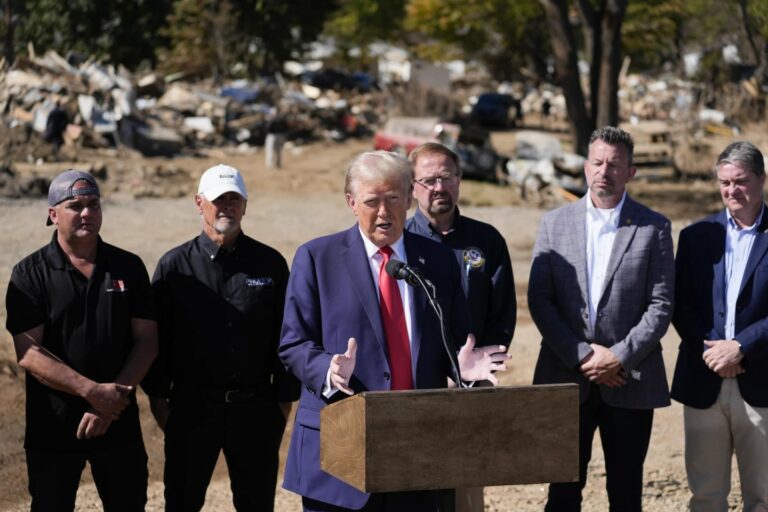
[229,324]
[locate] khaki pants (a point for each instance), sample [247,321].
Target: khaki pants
[712,436]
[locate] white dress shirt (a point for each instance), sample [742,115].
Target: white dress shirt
[738,246]
[602,225]
[375,260]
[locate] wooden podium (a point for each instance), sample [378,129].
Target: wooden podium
[440,439]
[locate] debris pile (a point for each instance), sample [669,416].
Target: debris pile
[54,107]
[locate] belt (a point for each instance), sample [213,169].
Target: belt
[227,396]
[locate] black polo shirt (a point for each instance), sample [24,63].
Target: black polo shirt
[87,324]
[486,274]
[219,319]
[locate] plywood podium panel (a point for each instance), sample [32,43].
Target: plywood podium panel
[439,439]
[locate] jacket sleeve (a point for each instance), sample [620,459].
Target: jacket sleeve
[285,384]
[503,303]
[686,318]
[544,306]
[644,337]
[301,340]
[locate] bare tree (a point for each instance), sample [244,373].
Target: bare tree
[758,51]
[601,26]
[9,53]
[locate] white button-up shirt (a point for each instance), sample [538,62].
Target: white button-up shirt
[738,246]
[602,225]
[375,259]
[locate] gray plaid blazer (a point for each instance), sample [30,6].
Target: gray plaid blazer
[634,311]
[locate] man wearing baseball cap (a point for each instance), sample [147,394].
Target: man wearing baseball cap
[82,319]
[218,384]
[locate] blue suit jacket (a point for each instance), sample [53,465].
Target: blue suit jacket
[331,297]
[700,313]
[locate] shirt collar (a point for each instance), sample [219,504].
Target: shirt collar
[211,248]
[426,227]
[56,257]
[732,222]
[371,250]
[604,215]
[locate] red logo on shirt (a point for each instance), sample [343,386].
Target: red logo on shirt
[118,285]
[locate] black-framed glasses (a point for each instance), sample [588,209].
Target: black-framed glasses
[431,183]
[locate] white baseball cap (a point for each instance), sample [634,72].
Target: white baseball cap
[219,180]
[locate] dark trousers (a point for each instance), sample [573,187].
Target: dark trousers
[198,429]
[120,475]
[625,434]
[410,501]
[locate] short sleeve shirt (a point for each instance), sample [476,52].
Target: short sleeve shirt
[219,318]
[87,324]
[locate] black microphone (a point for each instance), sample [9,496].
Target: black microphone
[399,270]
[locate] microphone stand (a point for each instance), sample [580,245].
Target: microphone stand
[429,289]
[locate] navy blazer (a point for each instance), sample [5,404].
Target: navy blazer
[331,297]
[700,313]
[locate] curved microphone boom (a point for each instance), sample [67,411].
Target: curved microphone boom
[400,270]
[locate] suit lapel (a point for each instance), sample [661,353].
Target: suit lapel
[719,271]
[578,233]
[758,251]
[624,235]
[356,261]
[418,260]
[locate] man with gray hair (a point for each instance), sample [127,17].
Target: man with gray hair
[351,327]
[721,315]
[601,292]
[83,324]
[218,384]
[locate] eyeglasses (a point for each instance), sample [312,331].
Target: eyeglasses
[431,183]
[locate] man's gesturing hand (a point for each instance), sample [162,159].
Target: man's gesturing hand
[342,366]
[480,363]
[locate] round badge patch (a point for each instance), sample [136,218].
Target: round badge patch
[474,257]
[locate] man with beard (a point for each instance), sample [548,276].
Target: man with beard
[601,294]
[81,315]
[481,251]
[218,383]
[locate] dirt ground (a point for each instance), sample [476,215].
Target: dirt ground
[288,207]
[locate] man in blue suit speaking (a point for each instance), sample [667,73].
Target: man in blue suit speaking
[350,327]
[721,315]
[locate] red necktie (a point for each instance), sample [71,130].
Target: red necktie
[393,319]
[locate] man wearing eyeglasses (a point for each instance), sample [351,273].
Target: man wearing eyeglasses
[486,270]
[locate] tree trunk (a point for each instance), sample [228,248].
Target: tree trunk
[591,30]
[10,52]
[607,106]
[566,69]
